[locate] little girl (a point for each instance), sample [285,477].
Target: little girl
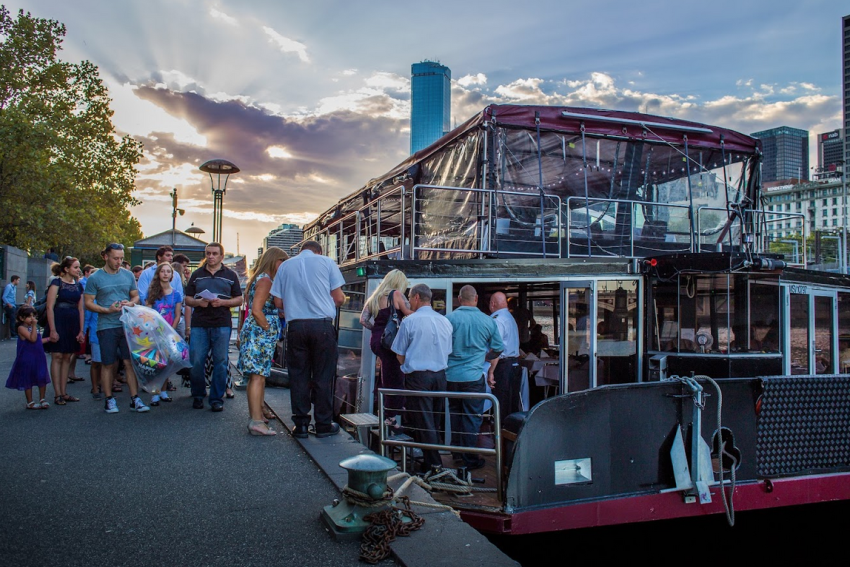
[30,366]
[168,302]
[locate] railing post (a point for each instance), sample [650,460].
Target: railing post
[413,224]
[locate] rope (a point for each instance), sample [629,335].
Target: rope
[728,503]
[364,500]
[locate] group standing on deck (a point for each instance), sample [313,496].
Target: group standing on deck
[418,348]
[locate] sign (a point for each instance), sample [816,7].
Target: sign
[804,289]
[830,135]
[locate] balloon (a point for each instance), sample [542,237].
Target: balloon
[156,350]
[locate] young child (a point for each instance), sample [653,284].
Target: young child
[30,366]
[168,302]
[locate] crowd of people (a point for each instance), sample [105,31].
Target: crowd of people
[418,348]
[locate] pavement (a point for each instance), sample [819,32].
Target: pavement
[174,486]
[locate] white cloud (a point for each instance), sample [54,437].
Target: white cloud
[178,79]
[477,79]
[219,15]
[388,81]
[349,72]
[278,152]
[287,45]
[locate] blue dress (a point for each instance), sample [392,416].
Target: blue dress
[256,345]
[66,315]
[30,366]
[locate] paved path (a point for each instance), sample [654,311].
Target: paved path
[174,486]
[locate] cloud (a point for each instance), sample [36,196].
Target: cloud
[388,81]
[477,79]
[349,72]
[221,16]
[287,45]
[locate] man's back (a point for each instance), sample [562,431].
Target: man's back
[473,335]
[304,283]
[425,339]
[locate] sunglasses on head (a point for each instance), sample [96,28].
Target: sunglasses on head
[115,246]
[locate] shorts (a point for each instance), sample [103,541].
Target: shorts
[113,345]
[95,352]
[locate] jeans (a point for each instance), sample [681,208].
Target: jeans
[10,319]
[467,416]
[204,340]
[311,357]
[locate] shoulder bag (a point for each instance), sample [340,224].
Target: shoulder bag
[391,330]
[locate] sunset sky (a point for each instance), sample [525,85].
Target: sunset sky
[311,99]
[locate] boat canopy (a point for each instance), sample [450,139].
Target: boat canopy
[541,180]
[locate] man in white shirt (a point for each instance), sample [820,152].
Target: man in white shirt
[163,254]
[505,374]
[308,287]
[423,345]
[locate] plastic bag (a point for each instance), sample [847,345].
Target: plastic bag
[156,350]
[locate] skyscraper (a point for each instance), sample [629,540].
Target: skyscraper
[830,152]
[284,236]
[430,103]
[786,153]
[845,41]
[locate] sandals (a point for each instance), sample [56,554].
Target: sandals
[117,388]
[31,405]
[229,394]
[70,398]
[268,415]
[58,401]
[42,404]
[261,429]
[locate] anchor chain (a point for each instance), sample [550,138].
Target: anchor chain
[385,527]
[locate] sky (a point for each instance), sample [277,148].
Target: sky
[312,99]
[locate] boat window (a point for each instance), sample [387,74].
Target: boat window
[616,331]
[350,331]
[823,335]
[799,329]
[716,314]
[844,332]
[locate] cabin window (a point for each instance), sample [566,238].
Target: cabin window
[844,332]
[716,314]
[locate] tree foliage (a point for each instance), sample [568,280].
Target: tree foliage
[66,177]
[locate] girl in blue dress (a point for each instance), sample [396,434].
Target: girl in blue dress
[30,367]
[258,336]
[168,302]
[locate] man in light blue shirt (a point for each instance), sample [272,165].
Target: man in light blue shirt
[308,288]
[423,344]
[505,374]
[474,334]
[10,304]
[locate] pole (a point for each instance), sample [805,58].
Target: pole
[173,214]
[844,217]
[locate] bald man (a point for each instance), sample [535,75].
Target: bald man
[474,334]
[504,372]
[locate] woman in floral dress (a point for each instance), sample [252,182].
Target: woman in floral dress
[258,336]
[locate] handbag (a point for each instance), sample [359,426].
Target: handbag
[391,330]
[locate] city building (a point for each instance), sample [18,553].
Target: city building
[830,152]
[285,236]
[786,154]
[845,60]
[430,103]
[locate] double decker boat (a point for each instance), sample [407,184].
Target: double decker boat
[690,368]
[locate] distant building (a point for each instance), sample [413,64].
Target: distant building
[285,236]
[845,42]
[786,154]
[830,152]
[430,103]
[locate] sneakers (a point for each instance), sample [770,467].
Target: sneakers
[136,404]
[163,396]
[155,400]
[111,405]
[198,403]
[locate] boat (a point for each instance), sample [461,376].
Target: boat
[692,369]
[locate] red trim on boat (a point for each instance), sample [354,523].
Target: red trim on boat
[772,493]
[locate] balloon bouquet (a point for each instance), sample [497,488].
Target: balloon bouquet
[156,350]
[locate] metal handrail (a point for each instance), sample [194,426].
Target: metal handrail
[497,451]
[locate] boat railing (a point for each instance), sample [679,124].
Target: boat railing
[483,222]
[387,442]
[625,228]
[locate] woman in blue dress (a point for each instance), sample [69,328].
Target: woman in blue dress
[65,316]
[258,335]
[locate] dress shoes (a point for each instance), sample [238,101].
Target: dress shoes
[300,432]
[327,430]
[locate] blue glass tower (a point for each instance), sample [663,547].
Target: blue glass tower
[786,153]
[430,103]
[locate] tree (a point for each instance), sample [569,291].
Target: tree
[66,177]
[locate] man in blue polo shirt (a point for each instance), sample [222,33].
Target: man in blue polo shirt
[10,304]
[211,291]
[474,334]
[308,287]
[423,344]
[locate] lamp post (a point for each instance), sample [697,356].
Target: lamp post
[174,212]
[217,168]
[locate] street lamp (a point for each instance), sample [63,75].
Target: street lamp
[218,167]
[174,213]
